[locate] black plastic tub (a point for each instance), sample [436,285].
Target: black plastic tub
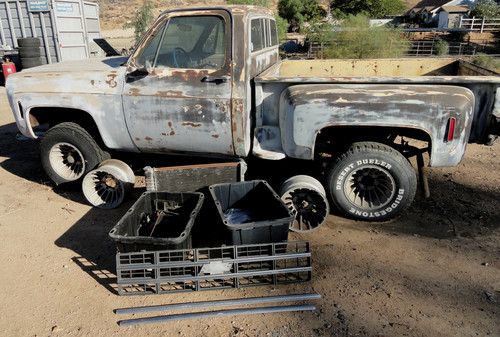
[252,212]
[158,221]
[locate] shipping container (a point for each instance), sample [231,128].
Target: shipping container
[66,28]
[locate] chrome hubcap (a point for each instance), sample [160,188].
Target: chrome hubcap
[370,187]
[67,161]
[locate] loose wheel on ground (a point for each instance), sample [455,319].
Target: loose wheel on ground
[371,181]
[68,152]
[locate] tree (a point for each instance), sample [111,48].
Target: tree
[356,39]
[371,8]
[296,12]
[282,26]
[263,3]
[142,20]
[486,9]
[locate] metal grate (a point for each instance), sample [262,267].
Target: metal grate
[213,268]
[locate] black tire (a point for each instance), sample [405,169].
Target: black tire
[25,52]
[372,182]
[79,153]
[31,62]
[29,42]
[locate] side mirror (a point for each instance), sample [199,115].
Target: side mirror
[137,74]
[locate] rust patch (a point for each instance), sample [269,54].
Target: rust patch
[92,82]
[215,136]
[189,75]
[170,93]
[239,140]
[172,133]
[163,134]
[194,125]
[169,124]
[137,138]
[148,139]
[111,80]
[134,92]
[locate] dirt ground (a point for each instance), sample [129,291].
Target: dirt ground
[433,272]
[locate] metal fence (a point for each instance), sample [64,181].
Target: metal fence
[480,24]
[416,48]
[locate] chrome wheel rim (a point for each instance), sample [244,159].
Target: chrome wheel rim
[309,208]
[103,189]
[67,161]
[370,187]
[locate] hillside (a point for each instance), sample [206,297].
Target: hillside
[115,13]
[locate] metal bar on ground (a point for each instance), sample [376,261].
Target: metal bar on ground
[219,303]
[217,313]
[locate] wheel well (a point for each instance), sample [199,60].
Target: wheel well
[51,116]
[333,140]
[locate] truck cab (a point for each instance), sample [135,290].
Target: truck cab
[194,74]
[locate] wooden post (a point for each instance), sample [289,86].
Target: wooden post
[482,25]
[460,24]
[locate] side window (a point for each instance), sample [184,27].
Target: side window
[257,35]
[268,33]
[147,58]
[193,42]
[274,33]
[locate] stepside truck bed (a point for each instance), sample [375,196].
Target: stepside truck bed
[485,84]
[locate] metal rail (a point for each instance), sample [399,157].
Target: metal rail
[217,313]
[219,303]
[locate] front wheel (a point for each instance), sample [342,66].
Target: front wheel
[68,152]
[371,181]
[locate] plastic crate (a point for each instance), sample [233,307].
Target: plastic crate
[133,234]
[172,271]
[268,219]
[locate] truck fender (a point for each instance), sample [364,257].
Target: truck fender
[305,110]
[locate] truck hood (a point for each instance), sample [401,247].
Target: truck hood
[100,76]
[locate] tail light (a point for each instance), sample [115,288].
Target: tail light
[452,122]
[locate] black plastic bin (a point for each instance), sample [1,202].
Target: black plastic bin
[133,233]
[267,217]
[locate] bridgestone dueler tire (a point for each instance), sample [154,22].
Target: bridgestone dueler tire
[372,182]
[25,52]
[28,42]
[75,136]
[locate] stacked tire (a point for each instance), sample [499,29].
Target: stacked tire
[30,52]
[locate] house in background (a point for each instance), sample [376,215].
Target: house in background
[428,12]
[451,16]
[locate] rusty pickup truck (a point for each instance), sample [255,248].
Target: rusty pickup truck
[209,81]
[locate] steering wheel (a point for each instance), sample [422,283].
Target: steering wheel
[181,54]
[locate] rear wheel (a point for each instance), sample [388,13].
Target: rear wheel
[372,181]
[68,152]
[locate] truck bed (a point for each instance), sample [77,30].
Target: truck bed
[409,70]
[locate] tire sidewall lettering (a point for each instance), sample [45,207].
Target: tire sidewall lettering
[393,205]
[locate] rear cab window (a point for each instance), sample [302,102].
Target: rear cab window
[263,34]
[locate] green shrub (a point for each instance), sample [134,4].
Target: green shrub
[356,39]
[282,26]
[142,20]
[441,47]
[371,8]
[486,9]
[487,61]
[296,12]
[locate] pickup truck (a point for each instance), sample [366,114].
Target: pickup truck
[209,81]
